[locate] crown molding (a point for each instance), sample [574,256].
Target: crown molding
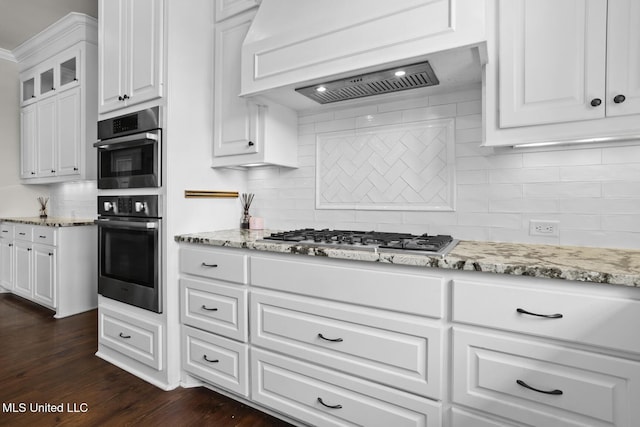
[7,55]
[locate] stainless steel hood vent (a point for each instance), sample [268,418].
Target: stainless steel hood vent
[376,83]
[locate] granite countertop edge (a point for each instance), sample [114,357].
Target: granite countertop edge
[50,221]
[586,264]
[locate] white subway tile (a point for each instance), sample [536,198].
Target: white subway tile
[601,239]
[618,172]
[315,118]
[430,218]
[628,154]
[356,111]
[621,223]
[469,107]
[590,205]
[621,189]
[502,220]
[429,113]
[307,129]
[335,216]
[379,119]
[563,190]
[523,205]
[473,121]
[505,161]
[505,191]
[469,135]
[454,97]
[404,104]
[563,158]
[379,217]
[524,175]
[522,235]
[336,125]
[470,149]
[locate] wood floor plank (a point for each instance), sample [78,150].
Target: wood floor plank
[44,360]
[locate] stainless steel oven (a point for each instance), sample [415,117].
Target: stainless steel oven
[129,239]
[130,150]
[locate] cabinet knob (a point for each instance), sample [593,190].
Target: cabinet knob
[75,169]
[120,98]
[250,144]
[595,102]
[33,96]
[619,99]
[53,88]
[33,173]
[52,171]
[125,96]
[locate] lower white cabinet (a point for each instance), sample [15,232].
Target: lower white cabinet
[323,397]
[133,336]
[53,266]
[543,384]
[215,359]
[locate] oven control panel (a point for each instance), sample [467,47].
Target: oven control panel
[129,206]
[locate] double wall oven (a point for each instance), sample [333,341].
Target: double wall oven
[130,209]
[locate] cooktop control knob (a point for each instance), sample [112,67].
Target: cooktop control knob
[139,207]
[108,206]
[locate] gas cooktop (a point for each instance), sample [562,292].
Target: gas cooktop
[368,240]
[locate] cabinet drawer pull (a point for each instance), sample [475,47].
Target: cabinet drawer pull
[329,406]
[22,234]
[250,144]
[619,99]
[42,237]
[204,307]
[204,264]
[124,336]
[210,361]
[595,102]
[548,316]
[525,385]
[330,339]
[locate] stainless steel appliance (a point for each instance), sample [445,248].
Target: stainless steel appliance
[130,150]
[368,240]
[129,247]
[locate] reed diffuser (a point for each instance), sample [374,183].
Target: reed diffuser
[246,199]
[43,206]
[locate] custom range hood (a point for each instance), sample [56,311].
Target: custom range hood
[304,53]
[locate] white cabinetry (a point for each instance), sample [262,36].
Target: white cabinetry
[214,314]
[562,71]
[228,8]
[7,254]
[574,361]
[58,99]
[52,266]
[246,131]
[130,52]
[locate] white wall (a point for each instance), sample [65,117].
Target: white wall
[592,190]
[15,199]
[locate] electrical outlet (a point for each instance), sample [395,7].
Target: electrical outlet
[543,228]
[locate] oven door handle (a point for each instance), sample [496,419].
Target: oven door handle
[129,225]
[153,136]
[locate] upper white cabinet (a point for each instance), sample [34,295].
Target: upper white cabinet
[130,52]
[562,71]
[246,131]
[228,8]
[58,74]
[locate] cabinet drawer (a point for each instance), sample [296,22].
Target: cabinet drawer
[602,320]
[215,308]
[319,396]
[214,264]
[44,235]
[23,232]
[134,337]
[6,230]
[401,351]
[501,373]
[392,288]
[215,359]
[460,418]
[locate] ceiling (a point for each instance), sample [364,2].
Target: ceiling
[22,19]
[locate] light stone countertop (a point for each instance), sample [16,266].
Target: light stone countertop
[598,265]
[51,221]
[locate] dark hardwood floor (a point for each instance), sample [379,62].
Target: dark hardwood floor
[48,361]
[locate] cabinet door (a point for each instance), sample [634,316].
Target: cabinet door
[552,61]
[47,81]
[46,137]
[623,58]
[44,274]
[69,127]
[28,135]
[23,259]
[235,119]
[111,57]
[27,89]
[67,69]
[6,264]
[144,50]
